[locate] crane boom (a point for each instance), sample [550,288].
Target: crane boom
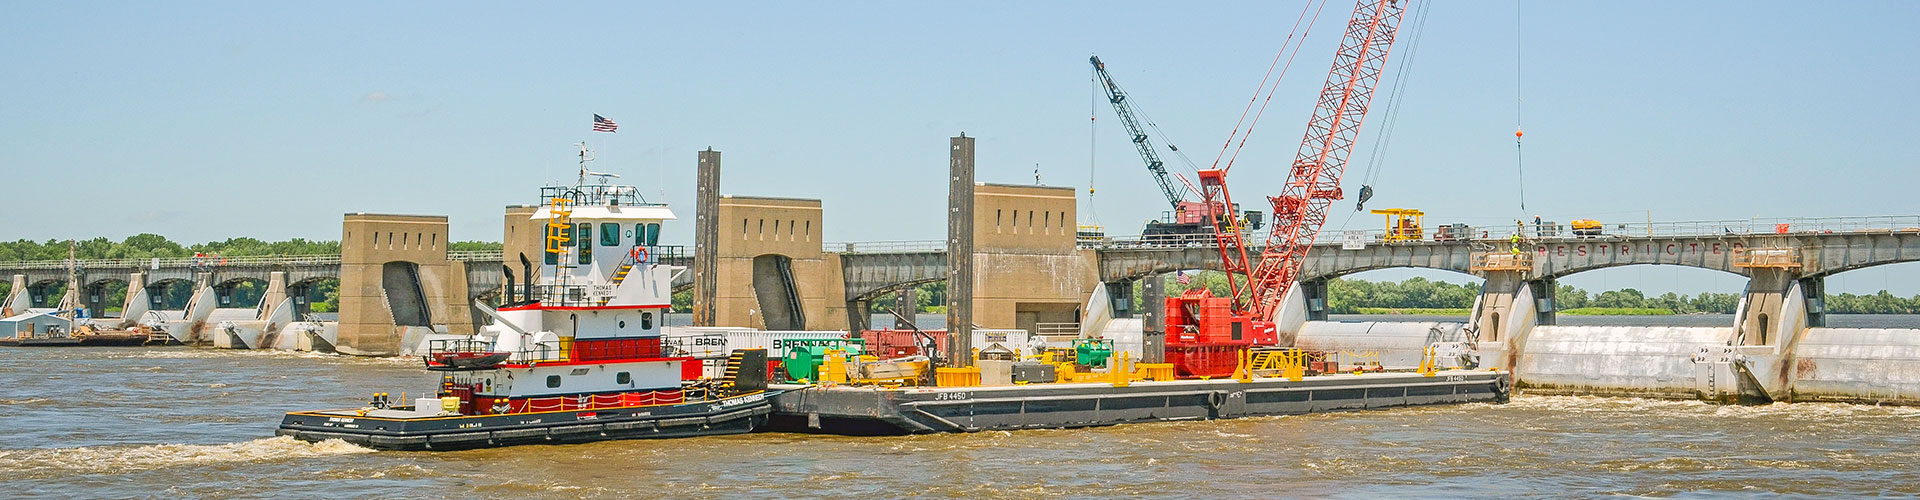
[1140,141]
[1314,180]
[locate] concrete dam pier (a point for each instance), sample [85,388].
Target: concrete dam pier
[761,262]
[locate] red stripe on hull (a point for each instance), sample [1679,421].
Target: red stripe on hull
[538,307]
[486,405]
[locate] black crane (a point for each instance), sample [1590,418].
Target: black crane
[1186,217]
[1140,140]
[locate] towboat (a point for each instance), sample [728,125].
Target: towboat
[574,356]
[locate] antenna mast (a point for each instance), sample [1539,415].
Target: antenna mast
[585,156]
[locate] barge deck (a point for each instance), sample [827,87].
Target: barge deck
[914,410]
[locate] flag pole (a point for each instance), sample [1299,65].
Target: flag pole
[660,168]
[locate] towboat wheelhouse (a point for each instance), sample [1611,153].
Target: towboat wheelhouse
[585,331]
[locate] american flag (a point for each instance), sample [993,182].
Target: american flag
[602,124]
[1182,278]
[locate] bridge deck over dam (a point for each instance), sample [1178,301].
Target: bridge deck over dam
[1812,248]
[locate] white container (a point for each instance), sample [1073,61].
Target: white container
[776,341]
[1013,340]
[701,342]
[426,407]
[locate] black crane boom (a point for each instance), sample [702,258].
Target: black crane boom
[1140,141]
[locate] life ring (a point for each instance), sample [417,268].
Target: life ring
[639,254]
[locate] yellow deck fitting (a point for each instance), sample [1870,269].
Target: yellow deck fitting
[957,377]
[1157,371]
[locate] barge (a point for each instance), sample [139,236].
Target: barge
[39,342]
[1090,384]
[855,410]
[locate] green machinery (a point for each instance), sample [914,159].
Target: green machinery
[805,356]
[1092,352]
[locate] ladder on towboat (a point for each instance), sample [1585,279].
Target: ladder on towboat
[620,274]
[734,361]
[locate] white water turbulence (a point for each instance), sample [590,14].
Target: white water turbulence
[181,422]
[57,462]
[1655,360]
[1872,363]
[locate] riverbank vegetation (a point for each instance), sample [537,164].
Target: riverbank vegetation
[1416,311]
[1617,311]
[1423,296]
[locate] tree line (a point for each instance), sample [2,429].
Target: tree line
[148,246]
[1349,296]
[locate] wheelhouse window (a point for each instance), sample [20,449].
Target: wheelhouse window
[609,235]
[653,234]
[553,381]
[646,321]
[586,244]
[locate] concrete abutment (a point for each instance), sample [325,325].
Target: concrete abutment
[396,284]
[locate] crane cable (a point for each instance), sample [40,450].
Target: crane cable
[1276,86]
[1390,119]
[1519,157]
[1395,94]
[1269,76]
[1162,133]
[1144,116]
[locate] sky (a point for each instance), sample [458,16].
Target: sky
[207,120]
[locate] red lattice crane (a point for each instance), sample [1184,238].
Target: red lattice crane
[1200,325]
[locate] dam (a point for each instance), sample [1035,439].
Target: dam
[759,262]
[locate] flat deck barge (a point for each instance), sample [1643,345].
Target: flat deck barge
[914,410]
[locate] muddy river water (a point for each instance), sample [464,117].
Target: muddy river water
[183,422]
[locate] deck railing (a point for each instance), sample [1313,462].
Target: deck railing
[537,353]
[916,246]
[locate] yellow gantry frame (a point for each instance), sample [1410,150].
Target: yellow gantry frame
[1403,224]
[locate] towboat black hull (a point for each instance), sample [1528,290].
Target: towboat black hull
[733,415]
